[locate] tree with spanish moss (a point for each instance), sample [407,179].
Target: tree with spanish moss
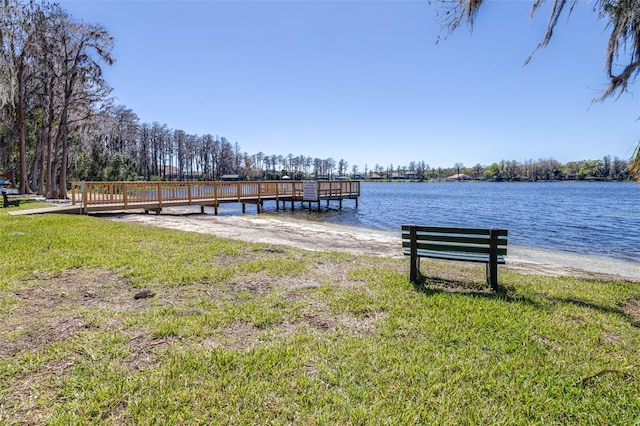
[51,85]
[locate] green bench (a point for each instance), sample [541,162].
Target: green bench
[6,202]
[462,244]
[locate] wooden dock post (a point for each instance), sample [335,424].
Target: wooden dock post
[84,198]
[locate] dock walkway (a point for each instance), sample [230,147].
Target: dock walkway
[153,196]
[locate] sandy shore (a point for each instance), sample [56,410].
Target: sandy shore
[309,235]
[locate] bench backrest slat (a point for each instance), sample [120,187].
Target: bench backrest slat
[465,248]
[450,230]
[462,239]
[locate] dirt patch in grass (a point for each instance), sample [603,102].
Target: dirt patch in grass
[243,336]
[632,310]
[611,338]
[237,336]
[23,400]
[255,286]
[317,316]
[144,350]
[52,309]
[349,324]
[57,308]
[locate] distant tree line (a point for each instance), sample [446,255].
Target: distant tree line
[547,169]
[117,147]
[58,123]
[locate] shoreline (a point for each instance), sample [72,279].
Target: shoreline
[311,235]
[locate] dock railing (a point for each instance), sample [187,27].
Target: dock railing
[136,193]
[338,189]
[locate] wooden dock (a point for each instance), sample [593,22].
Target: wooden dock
[154,196]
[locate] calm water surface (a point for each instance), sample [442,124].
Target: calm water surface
[599,218]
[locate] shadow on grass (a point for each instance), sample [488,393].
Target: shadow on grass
[585,304]
[438,285]
[618,310]
[26,200]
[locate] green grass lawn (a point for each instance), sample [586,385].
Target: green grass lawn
[239,333]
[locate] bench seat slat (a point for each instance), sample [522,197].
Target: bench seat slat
[469,257]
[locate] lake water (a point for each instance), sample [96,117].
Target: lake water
[596,218]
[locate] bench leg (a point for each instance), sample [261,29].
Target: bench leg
[414,267]
[414,272]
[492,275]
[492,266]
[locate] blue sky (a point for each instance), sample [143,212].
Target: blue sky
[365,80]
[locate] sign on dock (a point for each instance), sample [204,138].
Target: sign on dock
[310,190]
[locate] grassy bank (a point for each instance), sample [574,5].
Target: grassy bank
[236,333]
